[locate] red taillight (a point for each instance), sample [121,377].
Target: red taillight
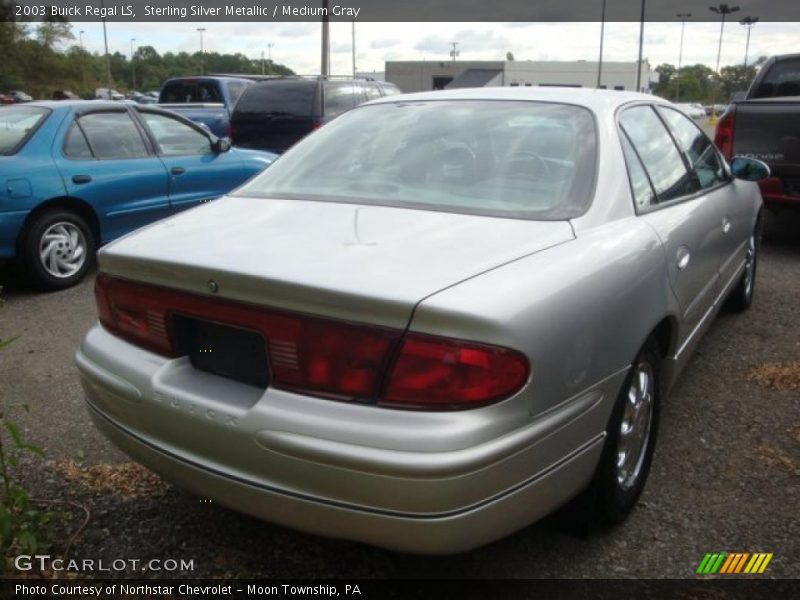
[230,130]
[434,372]
[325,357]
[723,137]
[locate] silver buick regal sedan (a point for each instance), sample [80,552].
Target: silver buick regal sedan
[431,322]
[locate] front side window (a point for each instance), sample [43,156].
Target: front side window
[520,159]
[696,147]
[658,153]
[17,124]
[113,135]
[175,138]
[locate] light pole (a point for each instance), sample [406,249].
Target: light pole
[83,60]
[602,34]
[133,65]
[682,17]
[454,52]
[269,57]
[325,62]
[641,46]
[748,22]
[723,10]
[354,48]
[202,51]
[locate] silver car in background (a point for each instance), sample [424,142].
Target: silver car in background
[431,322]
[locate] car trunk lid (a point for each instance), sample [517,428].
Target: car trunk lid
[370,264]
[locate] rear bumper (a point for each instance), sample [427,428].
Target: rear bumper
[288,469]
[775,196]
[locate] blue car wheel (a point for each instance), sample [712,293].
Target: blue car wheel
[58,249]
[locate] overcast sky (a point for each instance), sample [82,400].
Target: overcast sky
[297,44]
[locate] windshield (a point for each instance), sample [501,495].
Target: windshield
[518,159]
[17,124]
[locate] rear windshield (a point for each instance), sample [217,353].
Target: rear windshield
[279,98]
[191,92]
[782,79]
[517,159]
[17,124]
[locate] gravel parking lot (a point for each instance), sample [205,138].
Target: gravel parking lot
[726,474]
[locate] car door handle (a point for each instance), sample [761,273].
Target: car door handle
[726,224]
[81,178]
[177,170]
[682,258]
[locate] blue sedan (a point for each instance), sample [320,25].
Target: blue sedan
[74,175]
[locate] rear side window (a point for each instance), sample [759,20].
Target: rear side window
[113,135]
[279,98]
[697,149]
[390,89]
[372,91]
[658,153]
[191,92]
[235,89]
[643,193]
[782,79]
[17,124]
[75,144]
[338,98]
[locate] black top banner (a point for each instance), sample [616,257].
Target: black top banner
[389,10]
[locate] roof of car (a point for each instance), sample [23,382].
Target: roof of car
[591,98]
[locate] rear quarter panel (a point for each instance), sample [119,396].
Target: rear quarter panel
[579,311]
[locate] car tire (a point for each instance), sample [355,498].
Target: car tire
[57,250]
[741,297]
[630,441]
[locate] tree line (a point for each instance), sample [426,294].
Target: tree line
[699,83]
[43,58]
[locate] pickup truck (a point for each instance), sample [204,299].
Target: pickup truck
[205,100]
[765,124]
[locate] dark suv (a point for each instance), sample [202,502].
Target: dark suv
[275,114]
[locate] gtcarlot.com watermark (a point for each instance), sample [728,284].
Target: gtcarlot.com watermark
[43,562]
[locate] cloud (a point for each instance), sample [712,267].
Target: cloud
[381,44]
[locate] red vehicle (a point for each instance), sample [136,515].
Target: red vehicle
[6,99]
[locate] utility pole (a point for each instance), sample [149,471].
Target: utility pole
[682,17]
[602,35]
[202,50]
[325,69]
[454,52]
[723,10]
[641,46]
[133,64]
[108,58]
[748,22]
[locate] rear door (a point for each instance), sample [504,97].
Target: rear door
[667,197]
[107,161]
[196,173]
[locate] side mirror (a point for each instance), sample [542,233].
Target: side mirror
[221,145]
[749,169]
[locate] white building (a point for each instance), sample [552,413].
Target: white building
[421,76]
